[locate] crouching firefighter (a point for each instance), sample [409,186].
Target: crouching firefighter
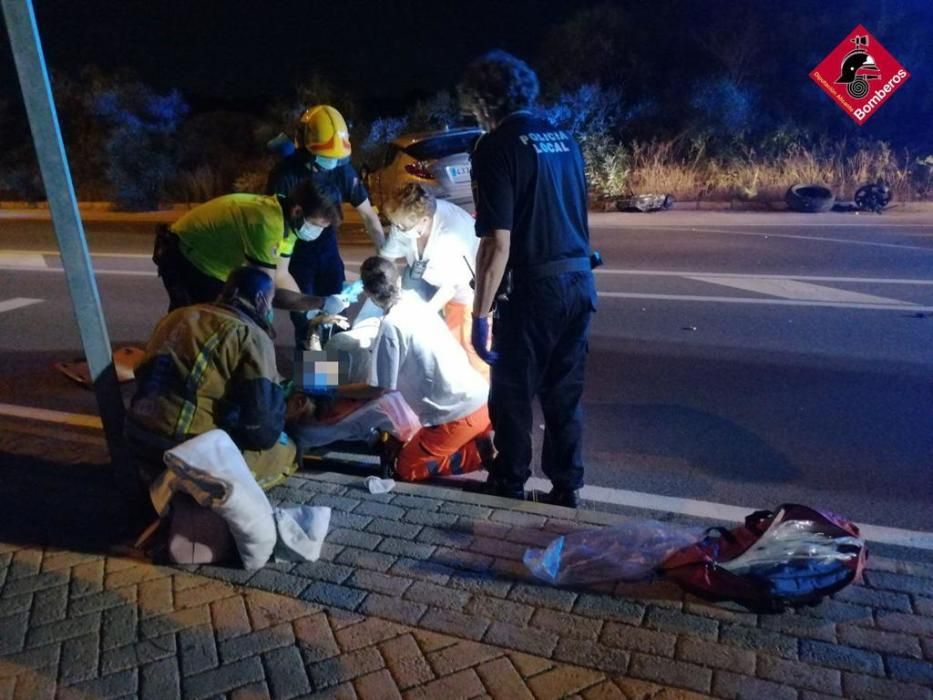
[531,217]
[213,366]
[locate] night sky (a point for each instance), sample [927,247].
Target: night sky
[239,56]
[247,50]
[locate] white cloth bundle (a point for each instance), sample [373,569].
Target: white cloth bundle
[301,532]
[211,469]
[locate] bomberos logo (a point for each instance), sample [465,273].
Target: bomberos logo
[860,75]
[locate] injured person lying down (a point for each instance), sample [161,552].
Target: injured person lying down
[414,355]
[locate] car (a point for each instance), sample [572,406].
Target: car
[440,160]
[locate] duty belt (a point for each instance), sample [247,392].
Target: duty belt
[523,275]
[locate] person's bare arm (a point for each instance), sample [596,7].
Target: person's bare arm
[372,224]
[491,260]
[287,294]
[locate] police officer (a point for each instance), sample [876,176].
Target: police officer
[533,262]
[323,155]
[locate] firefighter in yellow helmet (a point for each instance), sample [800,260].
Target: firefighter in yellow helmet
[323,155]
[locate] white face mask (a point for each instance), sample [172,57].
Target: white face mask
[309,231]
[410,235]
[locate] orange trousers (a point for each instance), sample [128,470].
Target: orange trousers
[444,449]
[459,318]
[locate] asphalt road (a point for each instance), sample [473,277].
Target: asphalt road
[744,359]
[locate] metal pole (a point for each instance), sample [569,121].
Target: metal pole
[50,149]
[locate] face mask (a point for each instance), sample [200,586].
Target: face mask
[411,234]
[309,231]
[268,313]
[326,163]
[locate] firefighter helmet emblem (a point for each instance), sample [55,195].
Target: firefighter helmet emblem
[858,67]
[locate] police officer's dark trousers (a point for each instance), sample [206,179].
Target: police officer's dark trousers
[540,334]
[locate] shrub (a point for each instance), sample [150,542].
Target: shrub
[140,155]
[607,165]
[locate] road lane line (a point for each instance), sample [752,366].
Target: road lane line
[925,249]
[17,303]
[804,278]
[622,295]
[15,260]
[768,302]
[80,419]
[601,494]
[646,273]
[793,289]
[57,254]
[127,273]
[22,258]
[692,227]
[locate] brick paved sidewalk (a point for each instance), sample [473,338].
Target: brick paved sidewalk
[420,593]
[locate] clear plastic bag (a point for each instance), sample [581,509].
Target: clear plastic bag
[631,551]
[388,412]
[793,543]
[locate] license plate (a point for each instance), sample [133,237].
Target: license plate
[458,173]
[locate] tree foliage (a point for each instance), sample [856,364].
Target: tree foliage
[140,150]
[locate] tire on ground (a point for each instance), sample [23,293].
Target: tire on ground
[809,198]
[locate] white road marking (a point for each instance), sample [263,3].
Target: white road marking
[819,239]
[806,278]
[871,224]
[17,303]
[863,224]
[613,295]
[23,259]
[80,419]
[834,298]
[601,494]
[793,289]
[768,302]
[57,254]
[97,271]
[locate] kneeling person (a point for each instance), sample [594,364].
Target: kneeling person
[213,366]
[416,354]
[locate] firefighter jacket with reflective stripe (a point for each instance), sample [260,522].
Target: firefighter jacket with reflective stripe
[210,366]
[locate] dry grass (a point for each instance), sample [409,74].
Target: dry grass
[656,167]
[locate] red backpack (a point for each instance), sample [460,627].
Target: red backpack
[794,556]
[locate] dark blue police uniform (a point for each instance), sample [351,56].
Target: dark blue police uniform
[316,265]
[528,178]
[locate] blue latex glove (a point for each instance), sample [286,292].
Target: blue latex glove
[336,303]
[480,339]
[351,292]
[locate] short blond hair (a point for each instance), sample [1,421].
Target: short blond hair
[409,203]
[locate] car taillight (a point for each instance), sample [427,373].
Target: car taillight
[419,169]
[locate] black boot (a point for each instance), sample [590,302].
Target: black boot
[568,498]
[493,487]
